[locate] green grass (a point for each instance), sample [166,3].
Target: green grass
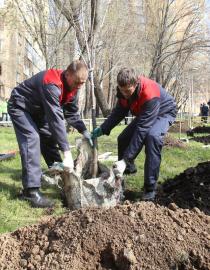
[15,213]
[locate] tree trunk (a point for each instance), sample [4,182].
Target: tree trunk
[101,99]
[110,89]
[97,110]
[87,109]
[113,101]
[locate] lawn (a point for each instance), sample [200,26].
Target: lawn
[15,213]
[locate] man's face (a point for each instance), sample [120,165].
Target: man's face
[76,80]
[127,90]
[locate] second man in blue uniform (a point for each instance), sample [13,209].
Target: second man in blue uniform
[154,110]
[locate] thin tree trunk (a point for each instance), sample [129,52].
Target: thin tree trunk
[101,99]
[113,102]
[87,110]
[97,110]
[110,88]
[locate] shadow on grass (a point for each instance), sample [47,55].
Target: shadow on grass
[13,190]
[202,139]
[14,174]
[14,185]
[14,193]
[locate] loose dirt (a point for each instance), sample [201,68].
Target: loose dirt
[138,236]
[142,235]
[175,128]
[201,129]
[189,189]
[169,141]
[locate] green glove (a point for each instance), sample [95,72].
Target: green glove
[97,132]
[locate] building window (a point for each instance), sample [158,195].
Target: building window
[19,39]
[1,44]
[29,50]
[18,78]
[19,58]
[1,24]
[27,67]
[2,92]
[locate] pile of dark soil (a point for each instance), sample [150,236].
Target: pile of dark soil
[127,237]
[201,129]
[169,141]
[189,189]
[202,139]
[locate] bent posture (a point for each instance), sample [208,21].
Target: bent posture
[155,111]
[37,108]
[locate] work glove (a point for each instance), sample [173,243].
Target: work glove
[119,168]
[68,162]
[97,132]
[87,136]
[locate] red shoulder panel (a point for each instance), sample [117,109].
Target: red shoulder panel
[149,90]
[53,76]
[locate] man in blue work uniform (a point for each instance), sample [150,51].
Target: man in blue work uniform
[37,108]
[155,111]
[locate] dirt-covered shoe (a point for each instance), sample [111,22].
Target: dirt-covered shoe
[130,169]
[36,198]
[149,196]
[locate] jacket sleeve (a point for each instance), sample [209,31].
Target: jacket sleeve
[118,113]
[72,115]
[54,115]
[145,121]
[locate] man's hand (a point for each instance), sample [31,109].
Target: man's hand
[68,162]
[119,168]
[87,136]
[97,132]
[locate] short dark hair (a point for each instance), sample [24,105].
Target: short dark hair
[126,77]
[76,65]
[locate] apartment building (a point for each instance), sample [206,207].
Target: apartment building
[20,56]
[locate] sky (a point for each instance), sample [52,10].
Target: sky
[1,2]
[207,15]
